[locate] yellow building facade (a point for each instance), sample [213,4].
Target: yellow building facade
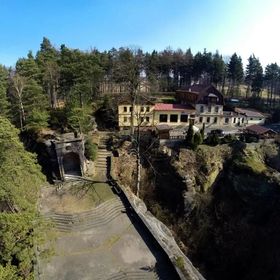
[158,114]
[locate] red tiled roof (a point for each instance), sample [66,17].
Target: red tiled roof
[173,107]
[258,129]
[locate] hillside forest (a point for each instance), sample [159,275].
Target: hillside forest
[61,88]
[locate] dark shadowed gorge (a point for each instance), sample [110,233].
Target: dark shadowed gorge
[222,203]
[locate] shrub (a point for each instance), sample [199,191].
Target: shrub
[180,263]
[212,140]
[190,136]
[229,139]
[90,149]
[197,140]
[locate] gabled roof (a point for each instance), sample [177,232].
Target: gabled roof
[258,129]
[203,92]
[173,107]
[249,112]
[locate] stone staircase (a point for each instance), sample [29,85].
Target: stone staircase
[101,160]
[97,217]
[132,275]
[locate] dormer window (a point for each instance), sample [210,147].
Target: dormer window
[212,98]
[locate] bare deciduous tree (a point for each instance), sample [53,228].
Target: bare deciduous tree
[18,85]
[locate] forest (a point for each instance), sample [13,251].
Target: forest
[60,88]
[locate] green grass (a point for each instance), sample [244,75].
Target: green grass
[95,193]
[251,161]
[180,262]
[102,191]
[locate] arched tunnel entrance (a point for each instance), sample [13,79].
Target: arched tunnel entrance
[72,164]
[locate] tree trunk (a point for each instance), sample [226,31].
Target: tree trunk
[138,175]
[138,162]
[54,97]
[21,113]
[132,114]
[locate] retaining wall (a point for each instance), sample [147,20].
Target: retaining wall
[160,232]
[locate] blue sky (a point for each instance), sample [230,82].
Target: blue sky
[242,26]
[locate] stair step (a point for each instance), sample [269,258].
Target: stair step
[133,275]
[89,225]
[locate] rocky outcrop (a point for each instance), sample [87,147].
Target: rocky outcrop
[221,202]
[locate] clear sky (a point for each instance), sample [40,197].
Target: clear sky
[242,26]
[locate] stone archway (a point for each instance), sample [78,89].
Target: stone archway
[72,164]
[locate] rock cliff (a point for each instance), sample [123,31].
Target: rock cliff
[222,204]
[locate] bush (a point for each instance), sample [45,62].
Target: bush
[197,140]
[180,263]
[58,118]
[212,140]
[229,139]
[90,150]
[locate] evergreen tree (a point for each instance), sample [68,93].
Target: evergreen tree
[3,91]
[20,224]
[26,96]
[47,59]
[254,76]
[272,80]
[202,132]
[28,68]
[235,73]
[197,140]
[218,69]
[79,119]
[190,135]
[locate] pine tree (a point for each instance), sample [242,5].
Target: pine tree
[20,224]
[197,140]
[235,73]
[47,59]
[190,135]
[3,91]
[254,76]
[272,78]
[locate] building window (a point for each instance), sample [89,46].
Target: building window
[174,118]
[242,120]
[209,109]
[125,119]
[142,119]
[226,120]
[251,119]
[200,119]
[184,118]
[215,120]
[148,109]
[234,120]
[125,109]
[142,109]
[208,120]
[147,119]
[260,119]
[130,109]
[201,109]
[162,118]
[217,109]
